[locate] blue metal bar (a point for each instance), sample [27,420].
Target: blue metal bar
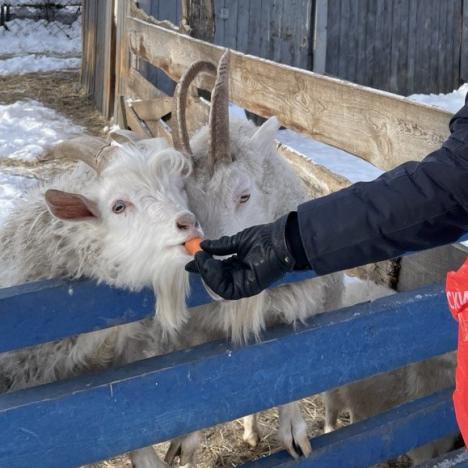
[160,398]
[377,439]
[49,310]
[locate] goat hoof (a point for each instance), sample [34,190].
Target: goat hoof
[293,436]
[184,449]
[252,438]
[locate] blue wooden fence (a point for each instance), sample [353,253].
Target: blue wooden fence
[94,417]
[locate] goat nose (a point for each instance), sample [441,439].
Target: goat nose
[186,221]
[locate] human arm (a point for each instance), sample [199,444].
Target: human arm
[416,206]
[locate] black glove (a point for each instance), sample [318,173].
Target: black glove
[262,256]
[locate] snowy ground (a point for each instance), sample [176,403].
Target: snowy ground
[30,46]
[27,128]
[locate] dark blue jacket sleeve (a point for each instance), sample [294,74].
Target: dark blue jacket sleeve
[415,206]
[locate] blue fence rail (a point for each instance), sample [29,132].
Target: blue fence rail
[94,417]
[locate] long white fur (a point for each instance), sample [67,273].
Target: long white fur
[138,248]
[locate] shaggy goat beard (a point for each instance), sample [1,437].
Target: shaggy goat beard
[171,286]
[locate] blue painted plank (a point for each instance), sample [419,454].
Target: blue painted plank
[377,439]
[49,310]
[192,389]
[45,311]
[457,458]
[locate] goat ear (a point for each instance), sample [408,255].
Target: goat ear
[124,136]
[265,134]
[71,206]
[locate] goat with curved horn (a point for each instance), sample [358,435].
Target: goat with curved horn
[219,111]
[180,134]
[219,148]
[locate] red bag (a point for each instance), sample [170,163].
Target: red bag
[457,297]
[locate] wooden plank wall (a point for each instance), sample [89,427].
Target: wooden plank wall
[162,10]
[401,46]
[97,68]
[279,30]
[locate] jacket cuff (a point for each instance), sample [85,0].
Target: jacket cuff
[280,246]
[294,243]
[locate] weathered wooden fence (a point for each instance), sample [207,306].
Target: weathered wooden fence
[402,46]
[94,417]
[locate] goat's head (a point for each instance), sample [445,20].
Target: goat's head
[138,208]
[238,177]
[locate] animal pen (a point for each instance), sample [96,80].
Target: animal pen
[94,417]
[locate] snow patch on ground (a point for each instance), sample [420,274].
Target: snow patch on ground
[30,46]
[28,128]
[36,63]
[451,102]
[12,187]
[27,36]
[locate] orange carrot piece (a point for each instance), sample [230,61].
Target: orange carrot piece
[192,246]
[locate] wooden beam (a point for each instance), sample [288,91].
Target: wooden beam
[153,109]
[377,439]
[44,311]
[148,401]
[319,180]
[138,87]
[380,127]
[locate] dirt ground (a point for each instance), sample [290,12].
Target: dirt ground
[59,91]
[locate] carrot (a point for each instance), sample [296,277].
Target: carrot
[192,246]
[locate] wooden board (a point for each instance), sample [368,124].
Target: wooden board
[382,128]
[160,398]
[378,439]
[49,310]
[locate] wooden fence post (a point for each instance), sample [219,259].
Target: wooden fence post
[200,17]
[320,36]
[121,60]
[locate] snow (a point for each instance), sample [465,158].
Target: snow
[30,46]
[27,128]
[338,161]
[451,102]
[27,36]
[36,63]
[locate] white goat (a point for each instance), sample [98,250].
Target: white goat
[369,397]
[122,223]
[239,180]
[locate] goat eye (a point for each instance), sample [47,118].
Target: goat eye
[119,206]
[244,198]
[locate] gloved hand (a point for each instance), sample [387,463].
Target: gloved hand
[261,256]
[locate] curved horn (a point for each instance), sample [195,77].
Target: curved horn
[93,151]
[219,115]
[180,134]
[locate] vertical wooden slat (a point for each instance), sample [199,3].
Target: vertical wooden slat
[219,22]
[320,36]
[242,24]
[403,49]
[464,44]
[412,39]
[369,11]
[255,31]
[361,31]
[232,29]
[333,37]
